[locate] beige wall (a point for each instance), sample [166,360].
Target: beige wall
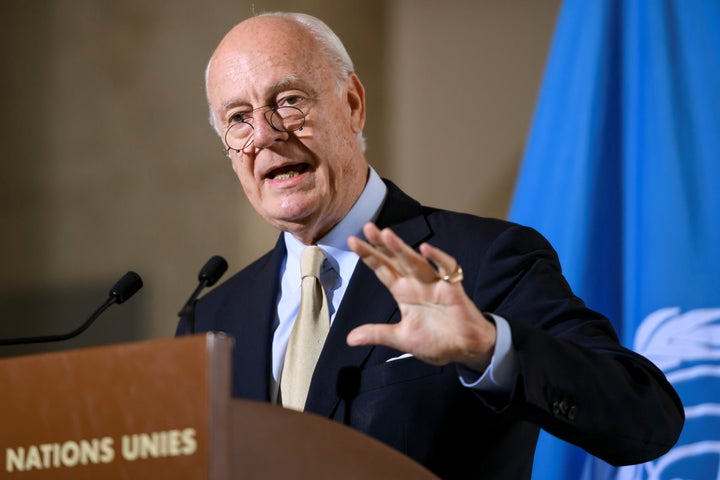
[109,165]
[463,80]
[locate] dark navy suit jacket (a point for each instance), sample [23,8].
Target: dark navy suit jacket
[574,379]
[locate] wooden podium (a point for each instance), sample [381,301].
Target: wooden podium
[163,409]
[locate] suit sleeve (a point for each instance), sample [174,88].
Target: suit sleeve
[574,379]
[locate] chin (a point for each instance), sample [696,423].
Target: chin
[287,220]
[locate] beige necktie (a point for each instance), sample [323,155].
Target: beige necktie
[308,334]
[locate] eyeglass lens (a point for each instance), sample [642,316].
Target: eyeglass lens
[283,119]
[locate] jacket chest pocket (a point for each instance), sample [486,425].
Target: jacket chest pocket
[403,370]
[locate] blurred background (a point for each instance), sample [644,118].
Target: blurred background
[109,164]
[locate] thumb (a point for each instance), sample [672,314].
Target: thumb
[372,334]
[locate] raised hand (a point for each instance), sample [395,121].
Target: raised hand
[439,323]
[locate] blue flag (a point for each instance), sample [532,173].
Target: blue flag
[622,174]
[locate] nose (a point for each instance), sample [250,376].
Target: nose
[264,133]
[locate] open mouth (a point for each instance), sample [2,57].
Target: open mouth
[288,171]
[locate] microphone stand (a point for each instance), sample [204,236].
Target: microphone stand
[121,291]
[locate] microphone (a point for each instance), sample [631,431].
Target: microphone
[348,387]
[209,274]
[121,291]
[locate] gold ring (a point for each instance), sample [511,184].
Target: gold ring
[454,277]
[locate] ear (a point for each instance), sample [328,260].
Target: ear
[356,102]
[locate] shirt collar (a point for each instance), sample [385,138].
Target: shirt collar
[366,209]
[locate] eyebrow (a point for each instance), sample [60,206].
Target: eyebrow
[280,85]
[284,83]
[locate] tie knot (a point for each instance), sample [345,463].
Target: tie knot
[311,261]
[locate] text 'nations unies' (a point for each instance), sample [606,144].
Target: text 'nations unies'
[139,446]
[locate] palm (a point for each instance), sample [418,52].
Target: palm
[439,323]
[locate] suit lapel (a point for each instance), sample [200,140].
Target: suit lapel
[366,301]
[255,314]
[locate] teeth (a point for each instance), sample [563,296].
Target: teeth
[286,175]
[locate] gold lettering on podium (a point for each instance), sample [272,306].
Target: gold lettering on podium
[70,454]
[55,455]
[170,443]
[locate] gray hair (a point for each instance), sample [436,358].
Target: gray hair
[330,44]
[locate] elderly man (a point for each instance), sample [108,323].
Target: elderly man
[454,339]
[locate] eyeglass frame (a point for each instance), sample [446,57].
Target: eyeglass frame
[270,110]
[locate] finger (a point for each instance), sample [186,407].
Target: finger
[405,259]
[374,237]
[375,259]
[373,334]
[378,239]
[360,247]
[446,263]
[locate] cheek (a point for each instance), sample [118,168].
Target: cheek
[235,168]
[243,171]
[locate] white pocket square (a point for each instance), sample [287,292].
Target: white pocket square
[399,357]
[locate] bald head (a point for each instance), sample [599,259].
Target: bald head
[297,33]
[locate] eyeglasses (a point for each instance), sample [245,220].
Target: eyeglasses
[239,136]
